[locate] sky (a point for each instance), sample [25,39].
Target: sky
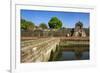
[68,18]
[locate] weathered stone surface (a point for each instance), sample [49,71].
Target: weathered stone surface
[79,32]
[38,51]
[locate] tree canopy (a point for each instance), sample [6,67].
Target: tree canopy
[43,26]
[55,23]
[27,25]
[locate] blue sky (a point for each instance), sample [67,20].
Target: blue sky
[68,18]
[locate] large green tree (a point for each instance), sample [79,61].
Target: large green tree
[43,26]
[23,24]
[27,25]
[30,26]
[55,23]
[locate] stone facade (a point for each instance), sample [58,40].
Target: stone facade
[79,32]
